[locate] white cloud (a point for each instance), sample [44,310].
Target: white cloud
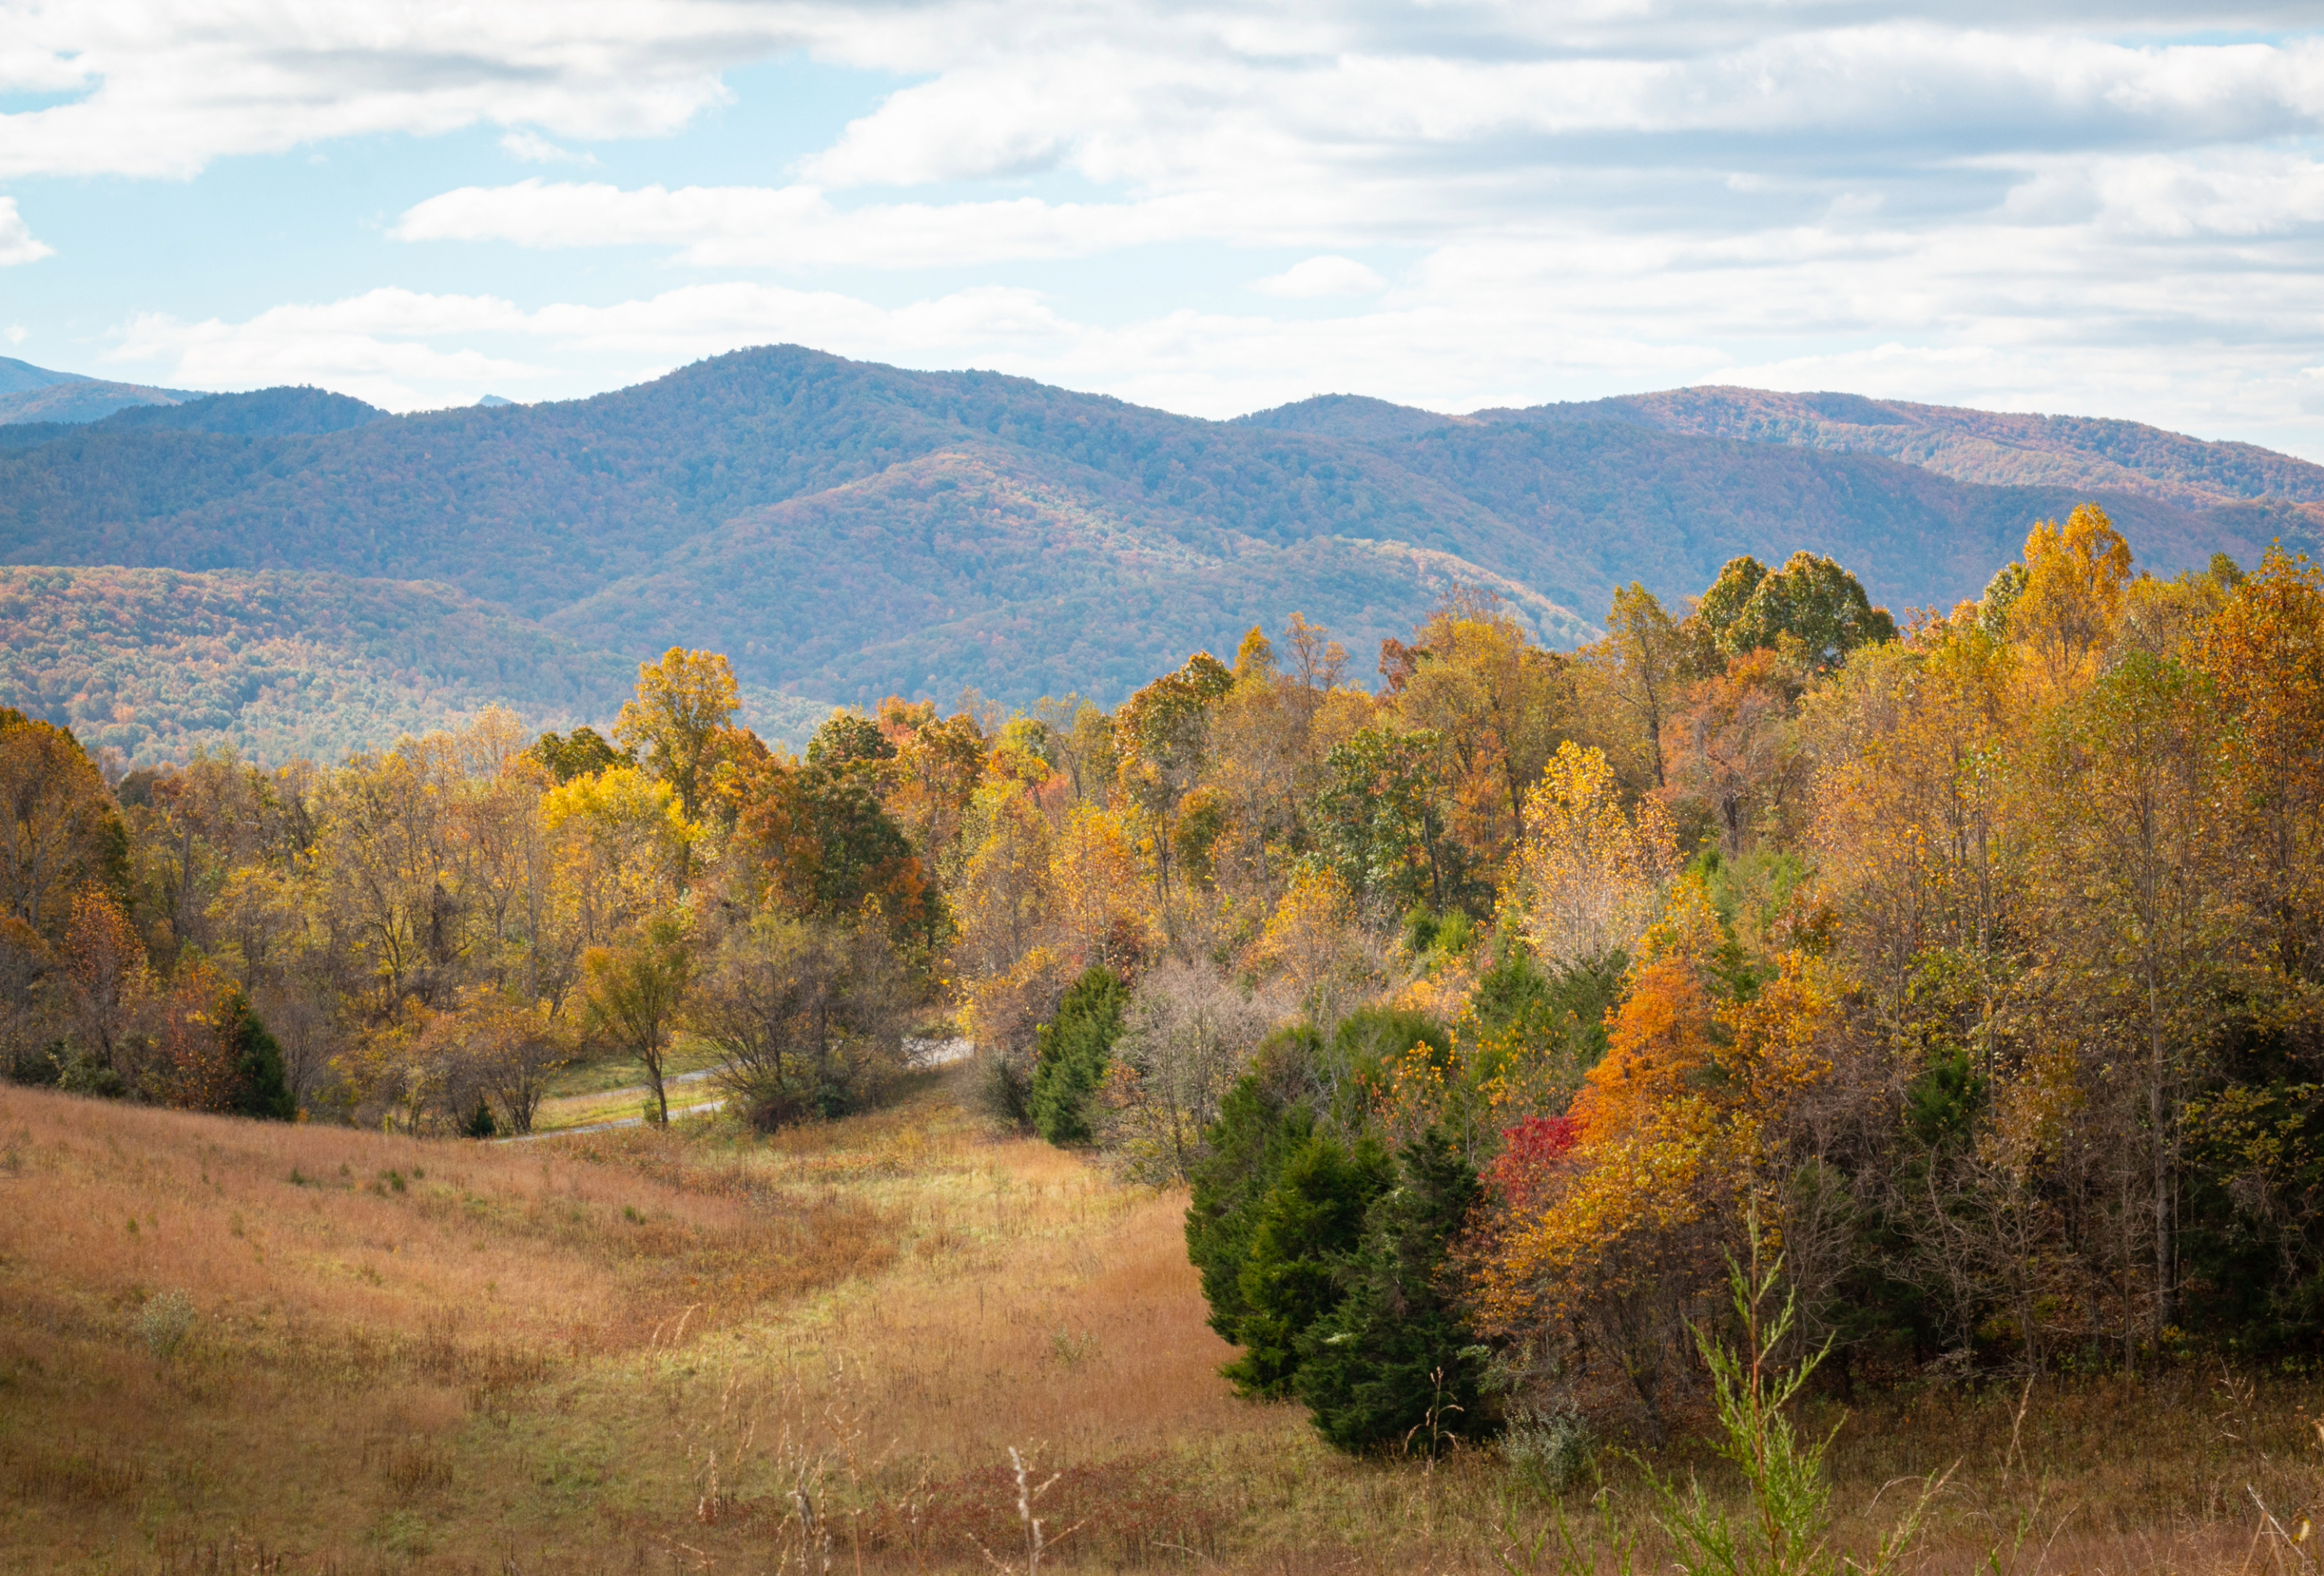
[169,86]
[2000,204]
[386,345]
[407,350]
[1482,324]
[796,225]
[1156,95]
[16,242]
[532,148]
[16,332]
[1322,276]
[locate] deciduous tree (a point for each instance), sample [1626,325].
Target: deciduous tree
[684,701]
[634,993]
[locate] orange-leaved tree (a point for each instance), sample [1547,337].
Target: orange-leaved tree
[1619,1238]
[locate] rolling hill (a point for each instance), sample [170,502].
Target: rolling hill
[34,393]
[845,531]
[2000,448]
[156,663]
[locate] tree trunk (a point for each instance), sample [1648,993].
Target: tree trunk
[2159,1113]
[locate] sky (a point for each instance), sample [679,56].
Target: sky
[2108,209]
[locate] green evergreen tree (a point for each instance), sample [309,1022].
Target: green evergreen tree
[1393,1363]
[261,1089]
[1562,1012]
[1256,1130]
[1311,1220]
[481,1122]
[1365,1051]
[1071,1053]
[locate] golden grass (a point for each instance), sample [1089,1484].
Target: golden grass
[581,1111]
[600,1074]
[635,1350]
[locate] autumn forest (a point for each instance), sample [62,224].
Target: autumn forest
[1519,1029]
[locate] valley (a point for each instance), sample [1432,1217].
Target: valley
[846,531]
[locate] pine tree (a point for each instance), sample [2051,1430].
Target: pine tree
[1070,1053]
[1395,1363]
[1246,1149]
[261,1089]
[1310,1221]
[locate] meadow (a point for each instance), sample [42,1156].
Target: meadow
[237,1346]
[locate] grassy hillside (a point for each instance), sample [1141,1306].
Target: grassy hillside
[230,1346]
[153,662]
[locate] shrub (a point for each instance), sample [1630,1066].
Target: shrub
[1548,1449]
[1788,1528]
[35,1063]
[809,1018]
[80,1070]
[1008,1089]
[163,1323]
[1368,1047]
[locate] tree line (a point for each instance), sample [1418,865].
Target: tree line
[421,937]
[1975,960]
[1483,1011]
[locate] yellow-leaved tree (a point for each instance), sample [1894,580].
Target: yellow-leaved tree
[1313,940]
[683,703]
[2073,596]
[1589,875]
[621,839]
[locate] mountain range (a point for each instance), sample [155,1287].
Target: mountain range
[34,393]
[845,531]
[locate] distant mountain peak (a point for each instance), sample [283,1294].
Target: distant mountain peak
[38,393]
[1992,448]
[21,377]
[1353,416]
[281,412]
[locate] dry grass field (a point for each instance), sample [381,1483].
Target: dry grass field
[228,1347]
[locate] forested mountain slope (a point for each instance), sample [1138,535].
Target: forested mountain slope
[268,413]
[2251,493]
[984,566]
[535,506]
[1668,509]
[847,530]
[155,663]
[1971,445]
[35,393]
